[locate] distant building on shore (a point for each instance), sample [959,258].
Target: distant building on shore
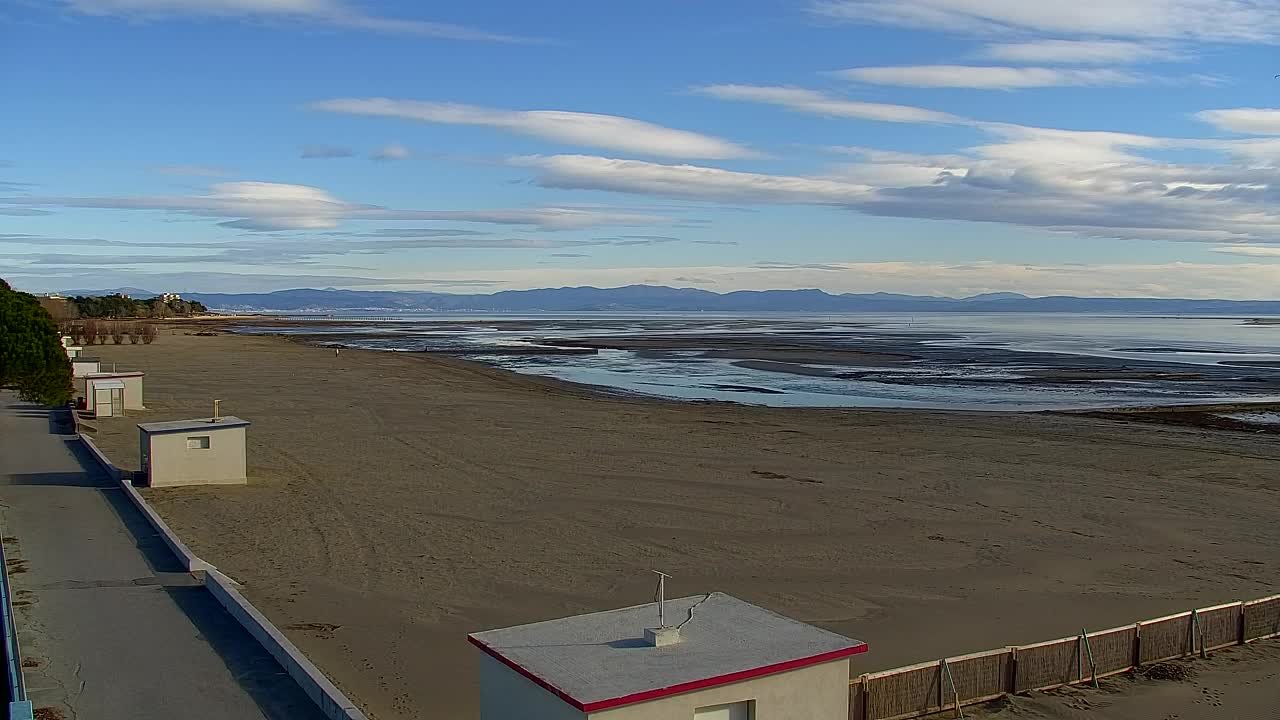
[169,297]
[724,659]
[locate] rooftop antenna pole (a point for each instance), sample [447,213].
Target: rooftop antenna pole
[217,410]
[662,597]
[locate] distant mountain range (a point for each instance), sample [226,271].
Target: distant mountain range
[661,298]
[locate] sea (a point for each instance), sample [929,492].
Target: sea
[992,362]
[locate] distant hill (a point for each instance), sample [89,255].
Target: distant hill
[661,298]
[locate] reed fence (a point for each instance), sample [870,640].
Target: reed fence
[952,683]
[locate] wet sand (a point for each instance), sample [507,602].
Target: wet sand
[400,500]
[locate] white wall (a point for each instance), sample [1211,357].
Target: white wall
[818,692]
[172,463]
[507,695]
[80,368]
[132,392]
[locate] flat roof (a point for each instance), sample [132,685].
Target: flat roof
[107,384]
[132,373]
[600,661]
[173,426]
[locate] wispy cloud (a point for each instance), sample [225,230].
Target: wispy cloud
[325,152]
[331,13]
[1248,250]
[1209,20]
[817,103]
[1083,52]
[987,77]
[586,172]
[263,206]
[1100,184]
[1257,121]
[572,128]
[226,282]
[23,212]
[394,151]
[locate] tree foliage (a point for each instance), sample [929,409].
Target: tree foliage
[119,306]
[32,359]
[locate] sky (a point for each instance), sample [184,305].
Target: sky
[945,147]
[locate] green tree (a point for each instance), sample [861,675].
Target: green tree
[32,359]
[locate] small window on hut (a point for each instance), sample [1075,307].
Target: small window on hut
[198,442]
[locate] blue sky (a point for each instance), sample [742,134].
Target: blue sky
[1121,147]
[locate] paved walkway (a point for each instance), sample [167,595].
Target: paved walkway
[115,626]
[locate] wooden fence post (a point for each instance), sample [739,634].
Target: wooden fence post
[866,698]
[1137,645]
[1013,669]
[1240,621]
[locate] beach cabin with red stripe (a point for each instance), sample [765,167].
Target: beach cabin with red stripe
[718,658]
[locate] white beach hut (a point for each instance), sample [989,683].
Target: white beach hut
[132,383]
[204,451]
[723,659]
[82,366]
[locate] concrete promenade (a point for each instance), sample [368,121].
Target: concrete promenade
[111,626]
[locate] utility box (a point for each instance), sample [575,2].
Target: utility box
[724,659]
[130,384]
[204,451]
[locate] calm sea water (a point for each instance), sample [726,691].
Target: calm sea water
[968,361]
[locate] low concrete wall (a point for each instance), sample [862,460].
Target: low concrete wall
[184,554]
[331,701]
[112,470]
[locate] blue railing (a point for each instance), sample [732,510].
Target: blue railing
[19,706]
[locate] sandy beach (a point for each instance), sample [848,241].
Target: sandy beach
[398,501]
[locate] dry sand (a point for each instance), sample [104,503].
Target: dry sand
[401,500]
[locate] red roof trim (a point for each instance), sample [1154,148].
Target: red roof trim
[674,689]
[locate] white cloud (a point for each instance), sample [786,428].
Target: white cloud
[1257,121]
[1248,250]
[1209,20]
[573,128]
[334,13]
[987,77]
[811,101]
[1086,183]
[687,181]
[259,206]
[1084,52]
[394,151]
